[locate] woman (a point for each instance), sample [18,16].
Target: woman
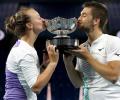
[23,78]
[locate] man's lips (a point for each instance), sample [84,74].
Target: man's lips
[79,23]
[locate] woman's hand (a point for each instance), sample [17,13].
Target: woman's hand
[53,54]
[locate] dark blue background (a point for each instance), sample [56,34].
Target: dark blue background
[62,89]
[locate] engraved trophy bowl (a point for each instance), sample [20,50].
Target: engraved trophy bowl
[61,27]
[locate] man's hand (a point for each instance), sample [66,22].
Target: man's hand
[81,52]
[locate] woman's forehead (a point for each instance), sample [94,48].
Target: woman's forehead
[32,13]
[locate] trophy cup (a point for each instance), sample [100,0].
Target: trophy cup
[61,27]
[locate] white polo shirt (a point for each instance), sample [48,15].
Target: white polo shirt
[105,48]
[21,72]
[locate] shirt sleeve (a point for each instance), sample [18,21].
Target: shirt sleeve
[113,50]
[29,69]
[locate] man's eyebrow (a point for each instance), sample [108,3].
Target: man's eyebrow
[83,13]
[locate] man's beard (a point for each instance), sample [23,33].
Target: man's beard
[85,29]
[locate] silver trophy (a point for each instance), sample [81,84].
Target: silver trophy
[61,27]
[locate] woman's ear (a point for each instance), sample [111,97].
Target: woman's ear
[29,26]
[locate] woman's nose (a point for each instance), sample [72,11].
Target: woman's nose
[45,21]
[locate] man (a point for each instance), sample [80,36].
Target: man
[98,70]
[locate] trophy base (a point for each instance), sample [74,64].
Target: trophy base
[65,43]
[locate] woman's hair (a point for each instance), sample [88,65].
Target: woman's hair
[17,23]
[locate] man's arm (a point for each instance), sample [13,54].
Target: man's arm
[74,76]
[109,71]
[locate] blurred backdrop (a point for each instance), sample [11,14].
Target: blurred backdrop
[60,87]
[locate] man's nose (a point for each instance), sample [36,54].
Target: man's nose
[79,18]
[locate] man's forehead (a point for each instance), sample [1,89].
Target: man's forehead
[86,10]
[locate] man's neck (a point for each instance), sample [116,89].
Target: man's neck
[93,35]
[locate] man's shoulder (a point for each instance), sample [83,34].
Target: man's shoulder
[111,36]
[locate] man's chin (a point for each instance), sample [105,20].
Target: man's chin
[81,28]
[84,29]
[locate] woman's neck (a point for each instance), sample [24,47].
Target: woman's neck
[30,38]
